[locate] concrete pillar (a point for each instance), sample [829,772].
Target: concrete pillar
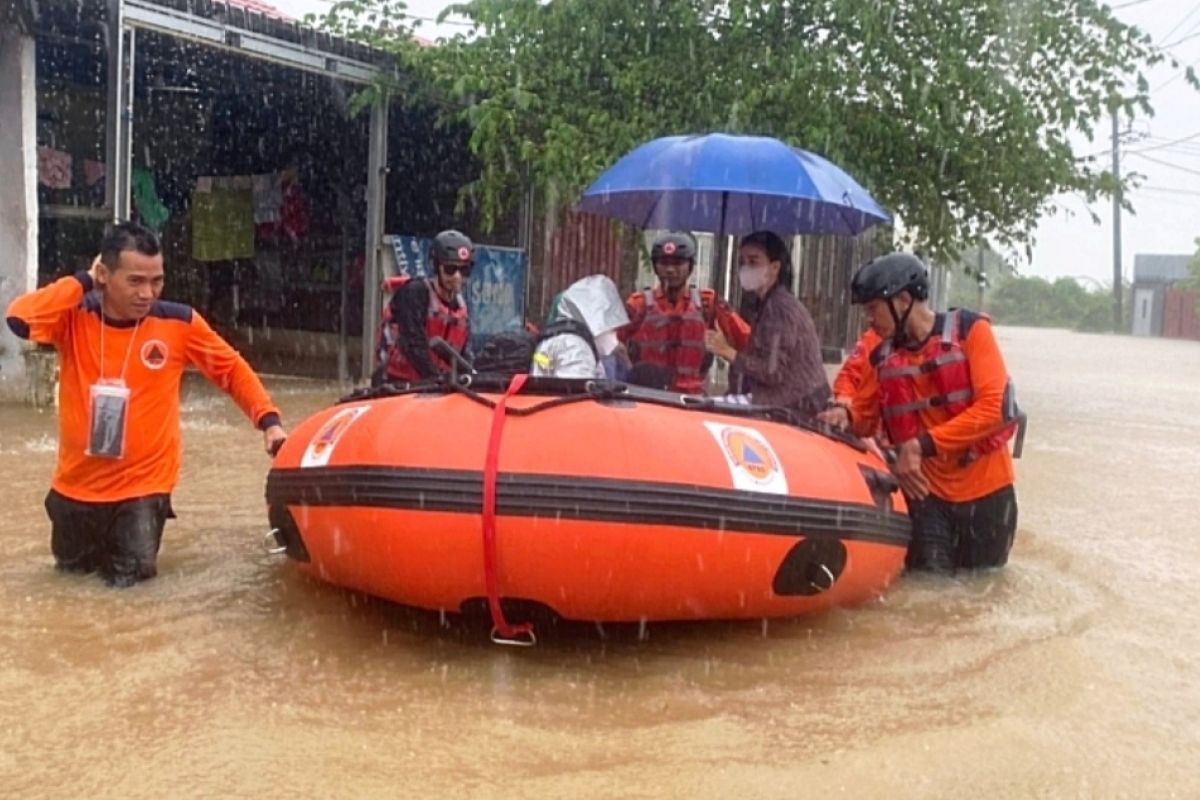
[18,194]
[376,205]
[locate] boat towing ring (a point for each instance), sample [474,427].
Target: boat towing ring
[524,639]
[826,572]
[272,544]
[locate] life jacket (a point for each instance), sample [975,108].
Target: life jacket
[441,320]
[673,340]
[944,360]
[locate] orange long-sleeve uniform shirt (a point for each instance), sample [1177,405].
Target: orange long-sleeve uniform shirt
[845,385]
[952,437]
[716,312]
[67,314]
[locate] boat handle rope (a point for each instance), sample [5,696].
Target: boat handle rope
[502,632]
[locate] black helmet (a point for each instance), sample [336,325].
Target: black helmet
[887,276]
[673,245]
[452,247]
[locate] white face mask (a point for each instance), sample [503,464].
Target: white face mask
[606,343]
[752,278]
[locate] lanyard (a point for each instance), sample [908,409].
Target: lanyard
[128,350]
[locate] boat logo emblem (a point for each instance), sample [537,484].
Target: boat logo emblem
[753,465]
[154,354]
[749,453]
[320,447]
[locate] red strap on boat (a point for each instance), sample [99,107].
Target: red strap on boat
[490,470]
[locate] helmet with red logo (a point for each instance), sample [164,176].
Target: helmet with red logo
[452,247]
[674,245]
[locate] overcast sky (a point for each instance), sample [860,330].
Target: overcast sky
[1168,203]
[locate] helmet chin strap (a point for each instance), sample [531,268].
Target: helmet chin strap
[900,336]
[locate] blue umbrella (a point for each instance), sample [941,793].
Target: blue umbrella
[731,185]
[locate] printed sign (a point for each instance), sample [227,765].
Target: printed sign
[320,447]
[495,292]
[753,465]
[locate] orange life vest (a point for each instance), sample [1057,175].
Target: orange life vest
[943,359]
[673,340]
[441,320]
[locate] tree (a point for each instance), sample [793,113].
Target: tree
[1194,268]
[955,114]
[1037,302]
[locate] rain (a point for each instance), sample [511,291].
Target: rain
[615,589]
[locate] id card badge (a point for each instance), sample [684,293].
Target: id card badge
[107,415]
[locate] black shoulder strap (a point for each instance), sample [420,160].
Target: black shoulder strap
[567,325]
[880,353]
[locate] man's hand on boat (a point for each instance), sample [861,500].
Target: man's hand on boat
[836,417]
[907,469]
[273,439]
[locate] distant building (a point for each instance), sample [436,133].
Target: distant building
[1161,304]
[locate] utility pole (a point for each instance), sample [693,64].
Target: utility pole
[1116,166]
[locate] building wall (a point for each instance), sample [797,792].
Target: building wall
[1146,309]
[1180,317]
[18,194]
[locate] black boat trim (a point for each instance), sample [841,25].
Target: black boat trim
[598,499]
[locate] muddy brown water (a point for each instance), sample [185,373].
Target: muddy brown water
[1072,673]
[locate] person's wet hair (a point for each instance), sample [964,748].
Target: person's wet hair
[773,245]
[127,236]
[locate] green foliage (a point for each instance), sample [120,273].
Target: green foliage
[1040,303]
[956,114]
[1194,267]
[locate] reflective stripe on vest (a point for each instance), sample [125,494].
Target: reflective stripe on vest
[674,340]
[944,360]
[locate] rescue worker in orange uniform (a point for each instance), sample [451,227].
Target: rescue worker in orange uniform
[425,308]
[938,384]
[667,323]
[122,352]
[850,375]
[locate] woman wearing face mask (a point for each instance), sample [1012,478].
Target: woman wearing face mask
[580,340]
[782,364]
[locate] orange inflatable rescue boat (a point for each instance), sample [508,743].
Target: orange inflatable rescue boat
[597,500]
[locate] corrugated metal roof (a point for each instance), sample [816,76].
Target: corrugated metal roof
[261,17]
[1161,268]
[258,6]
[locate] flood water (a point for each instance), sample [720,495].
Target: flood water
[1072,673]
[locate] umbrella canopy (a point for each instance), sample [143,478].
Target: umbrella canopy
[731,185]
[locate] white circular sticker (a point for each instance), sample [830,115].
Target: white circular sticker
[154,354]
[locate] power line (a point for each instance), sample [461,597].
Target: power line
[1173,202]
[1179,24]
[1169,164]
[1168,191]
[1188,138]
[1186,35]
[1186,38]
